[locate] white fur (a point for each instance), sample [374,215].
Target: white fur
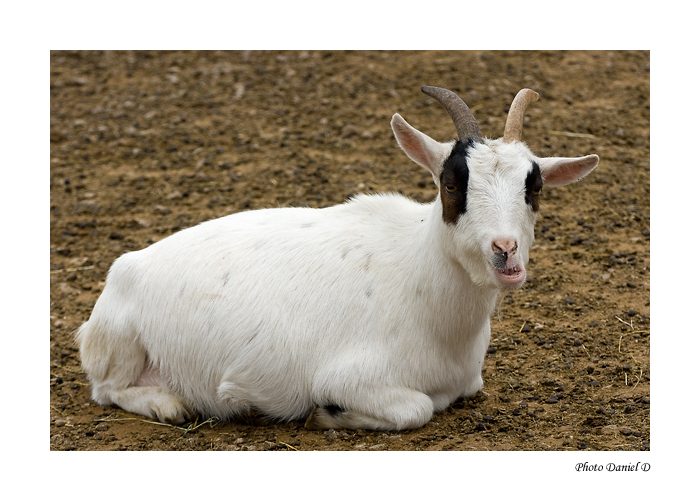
[376,306]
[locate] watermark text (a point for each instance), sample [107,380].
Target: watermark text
[638,466]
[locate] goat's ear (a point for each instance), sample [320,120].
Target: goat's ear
[557,171]
[420,148]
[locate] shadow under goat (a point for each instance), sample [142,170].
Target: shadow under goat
[371,314]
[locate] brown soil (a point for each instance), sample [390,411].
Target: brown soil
[144,144]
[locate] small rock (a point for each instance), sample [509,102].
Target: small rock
[67,289]
[348,131]
[162,210]
[87,207]
[331,435]
[143,223]
[239,89]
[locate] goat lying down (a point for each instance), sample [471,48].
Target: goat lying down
[371,314]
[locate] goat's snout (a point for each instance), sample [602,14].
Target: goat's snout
[509,268]
[503,250]
[504,247]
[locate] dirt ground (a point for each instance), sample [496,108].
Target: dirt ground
[144,144]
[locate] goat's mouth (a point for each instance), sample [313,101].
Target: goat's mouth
[511,277]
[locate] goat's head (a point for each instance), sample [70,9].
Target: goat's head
[489,189]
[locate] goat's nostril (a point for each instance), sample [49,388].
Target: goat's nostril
[504,246]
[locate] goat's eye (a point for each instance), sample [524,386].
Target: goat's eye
[450,188]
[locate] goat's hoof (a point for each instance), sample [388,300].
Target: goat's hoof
[313,422]
[170,410]
[326,417]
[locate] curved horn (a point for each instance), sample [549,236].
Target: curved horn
[516,115]
[459,112]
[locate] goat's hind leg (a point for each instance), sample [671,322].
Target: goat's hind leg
[385,409]
[116,365]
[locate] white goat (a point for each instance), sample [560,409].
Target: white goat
[371,314]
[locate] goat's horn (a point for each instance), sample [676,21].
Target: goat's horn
[459,112]
[516,115]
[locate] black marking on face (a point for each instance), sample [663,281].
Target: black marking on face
[533,187]
[454,180]
[499,260]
